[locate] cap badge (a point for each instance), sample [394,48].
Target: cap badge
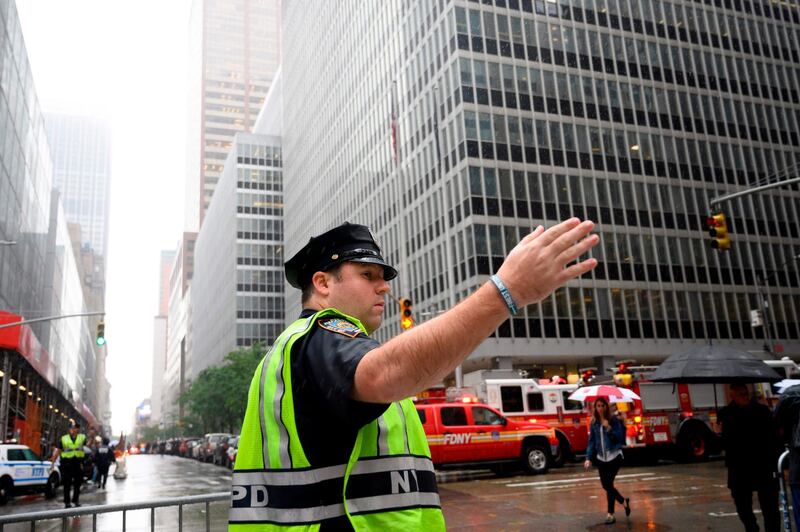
[334,256]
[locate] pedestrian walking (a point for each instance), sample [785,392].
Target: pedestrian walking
[751,443]
[104,455]
[70,448]
[606,438]
[329,438]
[787,415]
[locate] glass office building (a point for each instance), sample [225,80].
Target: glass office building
[234,54]
[515,113]
[46,369]
[81,148]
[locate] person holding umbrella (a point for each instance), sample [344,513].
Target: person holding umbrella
[606,438]
[751,443]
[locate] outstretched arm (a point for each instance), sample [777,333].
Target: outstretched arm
[423,356]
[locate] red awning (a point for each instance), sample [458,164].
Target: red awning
[89,417]
[22,340]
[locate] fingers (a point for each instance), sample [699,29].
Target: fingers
[569,238]
[549,236]
[578,249]
[534,235]
[576,270]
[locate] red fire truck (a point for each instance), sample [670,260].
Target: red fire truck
[467,433]
[670,416]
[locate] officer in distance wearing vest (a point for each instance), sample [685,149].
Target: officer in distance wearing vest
[330,440]
[70,449]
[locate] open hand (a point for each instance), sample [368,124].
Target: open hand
[538,264]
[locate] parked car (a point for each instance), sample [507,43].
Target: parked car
[233,447]
[22,471]
[210,442]
[220,456]
[197,449]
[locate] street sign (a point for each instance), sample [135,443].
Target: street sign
[756,320]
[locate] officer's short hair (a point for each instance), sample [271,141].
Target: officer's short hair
[308,289]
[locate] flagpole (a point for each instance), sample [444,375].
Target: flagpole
[449,262]
[403,256]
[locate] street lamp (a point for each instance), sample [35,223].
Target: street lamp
[764,304]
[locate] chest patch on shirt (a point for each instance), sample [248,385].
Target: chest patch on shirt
[340,326]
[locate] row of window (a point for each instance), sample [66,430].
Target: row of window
[676,21]
[248,334]
[670,205]
[556,93]
[259,254]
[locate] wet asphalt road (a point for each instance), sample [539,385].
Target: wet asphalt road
[668,496]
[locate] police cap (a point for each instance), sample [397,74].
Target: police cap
[73,424]
[345,243]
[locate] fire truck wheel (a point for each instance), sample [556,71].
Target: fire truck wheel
[564,452]
[535,458]
[693,445]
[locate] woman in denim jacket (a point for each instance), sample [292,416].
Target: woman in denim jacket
[606,438]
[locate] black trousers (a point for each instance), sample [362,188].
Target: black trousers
[608,471]
[767,499]
[72,476]
[102,475]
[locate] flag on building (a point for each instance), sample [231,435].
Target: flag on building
[394,122]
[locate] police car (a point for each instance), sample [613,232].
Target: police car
[21,470]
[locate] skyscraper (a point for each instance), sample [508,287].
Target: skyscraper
[510,114]
[48,368]
[160,335]
[235,52]
[81,148]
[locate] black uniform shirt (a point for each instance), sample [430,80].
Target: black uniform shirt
[323,368]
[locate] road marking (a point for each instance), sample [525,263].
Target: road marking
[624,481]
[580,479]
[729,514]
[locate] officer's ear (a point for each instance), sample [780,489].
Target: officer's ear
[321,282]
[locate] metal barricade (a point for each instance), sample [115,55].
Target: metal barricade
[94,511]
[787,518]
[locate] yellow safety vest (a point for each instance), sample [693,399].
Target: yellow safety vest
[72,449]
[387,484]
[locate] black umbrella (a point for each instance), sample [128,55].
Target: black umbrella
[714,364]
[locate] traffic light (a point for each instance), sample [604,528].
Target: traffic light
[718,230]
[100,339]
[406,316]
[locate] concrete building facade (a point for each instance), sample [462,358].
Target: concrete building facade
[453,128]
[238,282]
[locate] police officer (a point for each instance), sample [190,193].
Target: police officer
[329,437]
[70,448]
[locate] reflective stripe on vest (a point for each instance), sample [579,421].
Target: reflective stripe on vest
[72,449]
[389,475]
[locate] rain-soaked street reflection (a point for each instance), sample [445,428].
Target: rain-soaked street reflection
[678,497]
[667,496]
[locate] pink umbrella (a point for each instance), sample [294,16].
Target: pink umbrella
[612,393]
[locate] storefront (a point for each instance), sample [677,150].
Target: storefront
[34,409]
